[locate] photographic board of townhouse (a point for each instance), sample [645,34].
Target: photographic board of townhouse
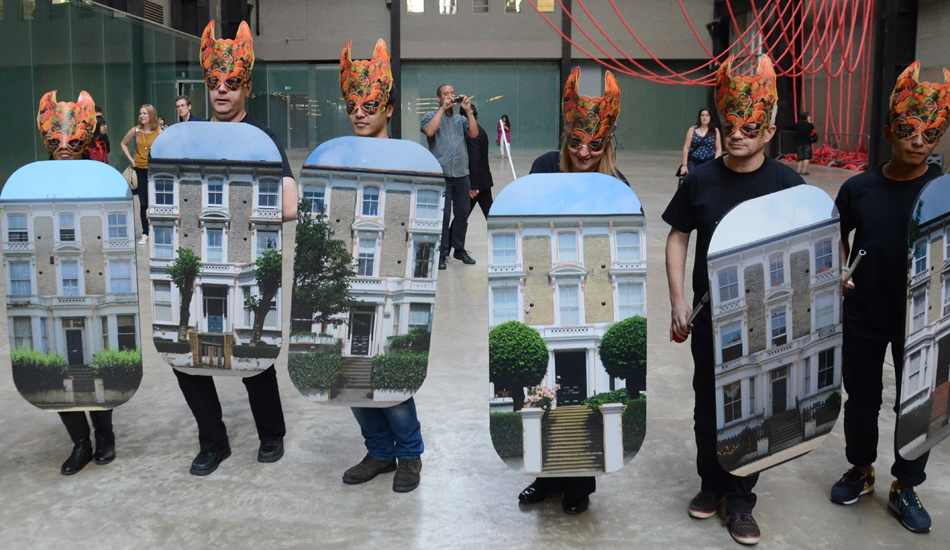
[775,293]
[71,288]
[567,279]
[922,420]
[215,210]
[365,268]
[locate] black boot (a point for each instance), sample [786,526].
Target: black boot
[105,437]
[82,455]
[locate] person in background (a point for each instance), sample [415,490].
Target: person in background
[877,206]
[67,130]
[183,107]
[445,132]
[703,143]
[392,435]
[504,133]
[99,148]
[142,136]
[479,172]
[587,146]
[708,192]
[161,123]
[805,136]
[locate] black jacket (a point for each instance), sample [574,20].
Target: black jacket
[478,172]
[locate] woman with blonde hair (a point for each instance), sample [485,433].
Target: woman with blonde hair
[142,136]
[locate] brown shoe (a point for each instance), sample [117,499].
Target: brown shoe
[407,475]
[743,528]
[704,505]
[367,469]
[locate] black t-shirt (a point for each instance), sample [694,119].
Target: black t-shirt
[804,131]
[711,190]
[878,210]
[550,163]
[288,173]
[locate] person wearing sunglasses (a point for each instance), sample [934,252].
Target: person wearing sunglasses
[67,130]
[747,108]
[877,206]
[587,146]
[227,66]
[142,136]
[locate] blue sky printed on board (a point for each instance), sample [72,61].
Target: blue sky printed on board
[936,199]
[771,215]
[65,179]
[397,155]
[575,194]
[215,141]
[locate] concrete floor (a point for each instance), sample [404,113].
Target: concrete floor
[468,496]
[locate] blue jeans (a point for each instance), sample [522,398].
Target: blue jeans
[391,432]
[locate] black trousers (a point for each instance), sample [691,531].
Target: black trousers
[737,491]
[262,394]
[862,370]
[483,200]
[574,488]
[457,200]
[142,175]
[78,427]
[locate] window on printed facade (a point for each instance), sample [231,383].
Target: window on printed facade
[315,195]
[630,300]
[163,301]
[270,318]
[70,278]
[567,246]
[504,305]
[628,246]
[415,6]
[120,277]
[126,331]
[215,249]
[419,316]
[806,368]
[776,270]
[397,312]
[16,228]
[447,7]
[824,310]
[367,258]
[913,372]
[67,227]
[569,297]
[752,381]
[248,313]
[370,201]
[44,335]
[823,256]
[826,368]
[503,250]
[731,342]
[480,6]
[22,333]
[162,244]
[118,228]
[512,6]
[920,257]
[215,192]
[164,191]
[105,333]
[266,240]
[919,312]
[732,401]
[779,327]
[728,284]
[946,296]
[424,255]
[20,279]
[427,205]
[268,193]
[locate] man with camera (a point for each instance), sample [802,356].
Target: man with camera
[446,134]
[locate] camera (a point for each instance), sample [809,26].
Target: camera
[458,99]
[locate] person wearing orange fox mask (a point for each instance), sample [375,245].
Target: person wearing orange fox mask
[877,206]
[747,108]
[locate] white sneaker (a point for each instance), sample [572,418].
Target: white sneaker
[144,239]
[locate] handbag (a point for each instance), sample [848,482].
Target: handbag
[129,173]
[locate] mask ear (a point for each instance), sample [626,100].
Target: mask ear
[346,63]
[908,78]
[86,111]
[724,76]
[245,42]
[611,88]
[765,69]
[47,106]
[570,87]
[381,53]
[207,37]
[946,77]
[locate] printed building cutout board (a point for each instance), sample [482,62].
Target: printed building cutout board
[775,293]
[923,420]
[567,282]
[215,192]
[71,286]
[365,269]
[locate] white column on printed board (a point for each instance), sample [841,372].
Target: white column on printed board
[613,436]
[531,421]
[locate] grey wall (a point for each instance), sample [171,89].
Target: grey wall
[933,20]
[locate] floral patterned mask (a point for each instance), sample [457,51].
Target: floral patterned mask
[228,61]
[920,108]
[67,124]
[590,121]
[746,103]
[366,84]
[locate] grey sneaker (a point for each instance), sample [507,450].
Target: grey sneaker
[407,475]
[704,505]
[743,528]
[367,469]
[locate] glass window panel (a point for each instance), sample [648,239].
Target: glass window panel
[163,301]
[268,193]
[105,333]
[920,257]
[367,258]
[70,278]
[20,279]
[503,249]
[480,6]
[315,196]
[215,248]
[162,245]
[545,6]
[732,401]
[630,298]
[512,6]
[731,342]
[826,368]
[215,192]
[164,191]
[628,246]
[266,240]
[22,333]
[415,6]
[370,201]
[823,256]
[777,270]
[419,315]
[121,276]
[126,332]
[779,328]
[447,7]
[919,318]
[424,256]
[118,228]
[67,228]
[567,246]
[427,205]
[504,305]
[569,304]
[17,231]
[824,310]
[728,284]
